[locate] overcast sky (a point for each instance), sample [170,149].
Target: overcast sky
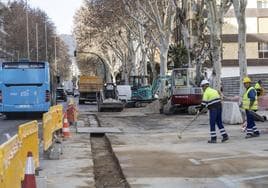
[61,12]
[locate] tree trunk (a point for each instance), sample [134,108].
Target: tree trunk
[215,23]
[144,65]
[240,8]
[113,77]
[198,73]
[108,75]
[216,58]
[242,52]
[163,56]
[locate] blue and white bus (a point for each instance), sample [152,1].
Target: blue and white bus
[24,87]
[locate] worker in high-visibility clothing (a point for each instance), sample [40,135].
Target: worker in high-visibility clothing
[249,104]
[259,88]
[212,101]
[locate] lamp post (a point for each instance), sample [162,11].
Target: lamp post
[55,53]
[37,45]
[27,31]
[46,40]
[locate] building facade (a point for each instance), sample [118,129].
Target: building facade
[257,35]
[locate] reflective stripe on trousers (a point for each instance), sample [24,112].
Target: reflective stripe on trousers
[215,118]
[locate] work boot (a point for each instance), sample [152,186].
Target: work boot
[212,141]
[225,138]
[256,134]
[249,136]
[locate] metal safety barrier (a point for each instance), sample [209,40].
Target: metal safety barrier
[52,121]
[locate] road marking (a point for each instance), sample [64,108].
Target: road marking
[227,157]
[195,162]
[232,182]
[250,178]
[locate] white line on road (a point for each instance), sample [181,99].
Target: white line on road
[233,182]
[250,178]
[227,157]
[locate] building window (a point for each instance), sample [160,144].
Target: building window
[263,50]
[262,4]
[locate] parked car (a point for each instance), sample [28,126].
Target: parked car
[61,94]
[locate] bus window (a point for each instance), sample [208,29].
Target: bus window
[18,65]
[180,78]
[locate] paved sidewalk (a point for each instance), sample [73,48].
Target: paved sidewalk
[74,169]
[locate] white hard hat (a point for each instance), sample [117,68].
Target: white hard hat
[204,82]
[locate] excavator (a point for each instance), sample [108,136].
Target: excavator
[184,94]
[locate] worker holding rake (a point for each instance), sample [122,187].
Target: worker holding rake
[212,101]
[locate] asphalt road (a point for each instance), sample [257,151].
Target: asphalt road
[10,126]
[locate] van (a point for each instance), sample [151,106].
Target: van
[124,93]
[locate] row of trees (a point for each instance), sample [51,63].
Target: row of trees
[129,33]
[16,40]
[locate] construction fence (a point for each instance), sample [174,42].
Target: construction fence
[13,153]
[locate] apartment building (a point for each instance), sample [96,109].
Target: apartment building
[257,39]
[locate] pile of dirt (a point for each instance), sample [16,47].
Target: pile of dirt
[152,107]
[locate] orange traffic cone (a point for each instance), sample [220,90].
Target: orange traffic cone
[66,129]
[29,177]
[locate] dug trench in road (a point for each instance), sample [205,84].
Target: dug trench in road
[107,170]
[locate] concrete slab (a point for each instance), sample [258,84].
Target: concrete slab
[172,182]
[41,182]
[75,167]
[98,130]
[151,155]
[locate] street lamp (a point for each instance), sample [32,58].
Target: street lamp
[55,53]
[27,31]
[46,40]
[37,45]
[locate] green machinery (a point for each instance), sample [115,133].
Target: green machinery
[141,92]
[144,93]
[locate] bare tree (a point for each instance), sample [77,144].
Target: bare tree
[240,8]
[160,16]
[15,19]
[215,21]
